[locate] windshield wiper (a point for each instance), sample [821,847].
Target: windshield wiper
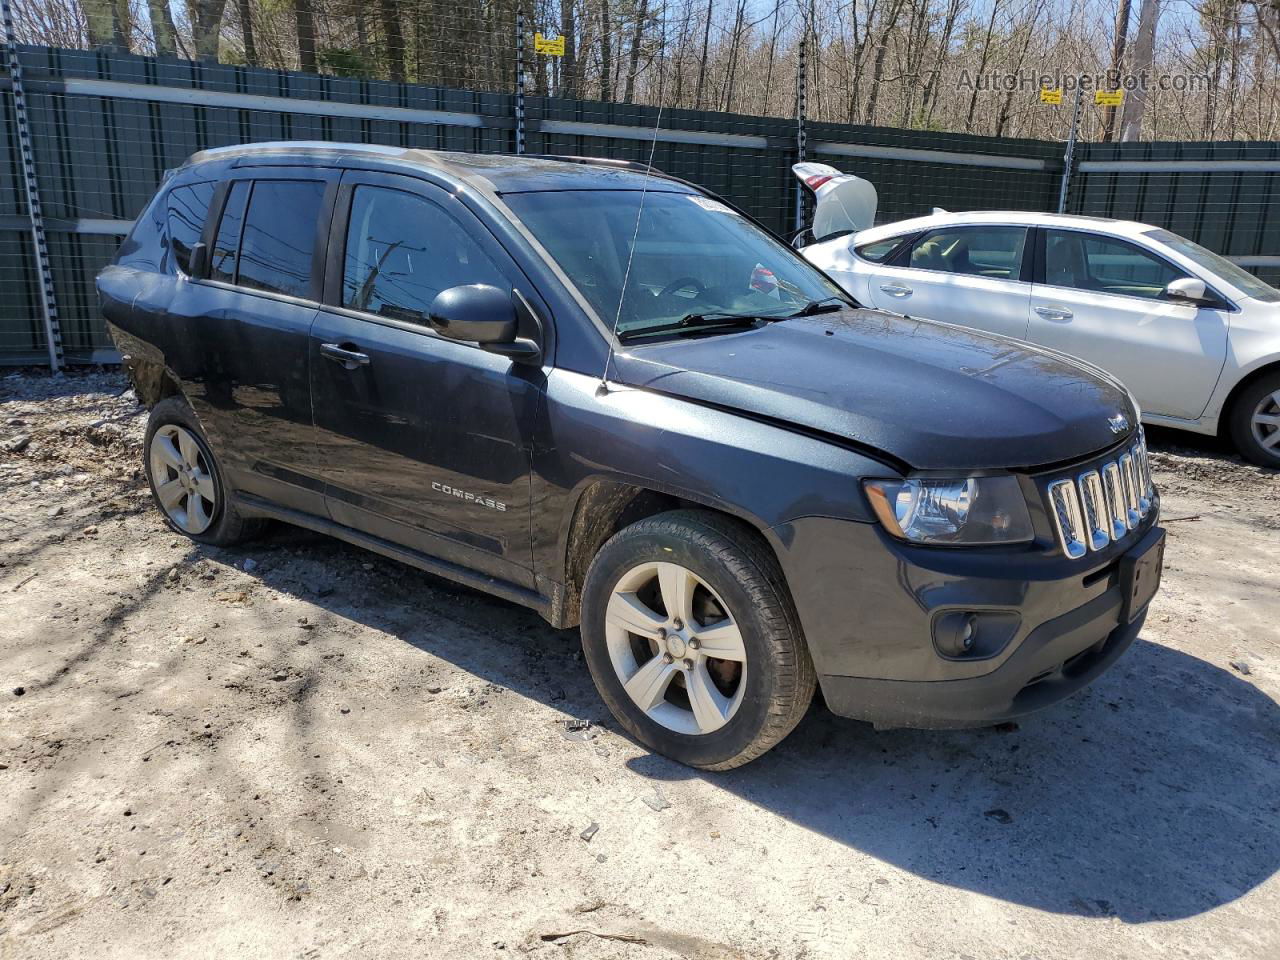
[701,321]
[825,305]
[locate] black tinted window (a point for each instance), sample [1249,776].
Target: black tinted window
[188,208]
[402,250]
[279,236]
[222,262]
[877,250]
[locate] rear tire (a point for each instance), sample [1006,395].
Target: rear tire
[1255,421]
[692,639]
[186,481]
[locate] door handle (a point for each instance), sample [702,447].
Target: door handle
[896,289]
[1054,313]
[346,355]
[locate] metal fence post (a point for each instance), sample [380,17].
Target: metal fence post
[1071,147]
[519,81]
[801,135]
[48,302]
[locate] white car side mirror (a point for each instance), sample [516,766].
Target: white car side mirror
[1188,290]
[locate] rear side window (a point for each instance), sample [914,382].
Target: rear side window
[402,250]
[279,236]
[994,252]
[188,208]
[222,263]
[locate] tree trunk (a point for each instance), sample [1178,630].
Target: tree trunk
[206,25]
[633,66]
[1135,105]
[569,62]
[163,29]
[246,30]
[394,39]
[876,73]
[100,18]
[606,53]
[305,23]
[1117,64]
[702,61]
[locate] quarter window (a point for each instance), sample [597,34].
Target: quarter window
[222,263]
[280,236]
[188,209]
[1087,261]
[877,250]
[994,252]
[402,250]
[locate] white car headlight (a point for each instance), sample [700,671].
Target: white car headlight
[966,512]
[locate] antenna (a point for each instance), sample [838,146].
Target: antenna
[631,254]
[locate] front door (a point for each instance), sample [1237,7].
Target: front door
[970,275]
[425,441]
[1102,300]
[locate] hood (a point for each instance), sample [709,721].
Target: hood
[931,395]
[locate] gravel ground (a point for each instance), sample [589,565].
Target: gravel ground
[297,749]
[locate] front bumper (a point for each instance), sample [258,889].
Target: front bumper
[870,607]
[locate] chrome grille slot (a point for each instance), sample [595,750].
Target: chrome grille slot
[1066,513]
[1130,485]
[1103,503]
[1116,511]
[1094,503]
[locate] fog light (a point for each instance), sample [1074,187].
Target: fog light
[955,634]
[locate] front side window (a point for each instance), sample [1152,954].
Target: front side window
[188,208]
[279,236]
[994,252]
[1089,261]
[402,250]
[1233,273]
[693,255]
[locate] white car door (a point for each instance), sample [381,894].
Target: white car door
[970,275]
[1102,299]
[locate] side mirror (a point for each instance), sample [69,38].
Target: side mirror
[1189,290]
[482,314]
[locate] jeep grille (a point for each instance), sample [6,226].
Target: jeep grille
[1104,502]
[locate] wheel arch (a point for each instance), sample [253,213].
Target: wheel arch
[1269,367]
[152,381]
[605,506]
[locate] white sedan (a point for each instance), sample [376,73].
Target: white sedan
[1193,336]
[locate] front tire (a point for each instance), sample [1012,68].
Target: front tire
[1255,421]
[186,482]
[692,639]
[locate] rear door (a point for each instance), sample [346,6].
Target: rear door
[425,441]
[1101,298]
[244,329]
[970,275]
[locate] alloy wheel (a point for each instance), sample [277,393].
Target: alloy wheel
[676,648]
[1266,422]
[182,478]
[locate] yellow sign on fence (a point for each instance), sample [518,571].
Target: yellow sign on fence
[551,46]
[1108,98]
[1050,96]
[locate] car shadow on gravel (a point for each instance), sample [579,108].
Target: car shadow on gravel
[1155,795]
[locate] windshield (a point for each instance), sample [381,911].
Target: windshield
[694,256]
[1235,275]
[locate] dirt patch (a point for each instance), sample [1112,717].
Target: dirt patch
[298,749]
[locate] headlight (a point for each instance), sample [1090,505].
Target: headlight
[971,511]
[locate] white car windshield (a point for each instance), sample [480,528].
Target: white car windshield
[694,256]
[1235,275]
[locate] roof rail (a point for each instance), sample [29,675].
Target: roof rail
[597,162]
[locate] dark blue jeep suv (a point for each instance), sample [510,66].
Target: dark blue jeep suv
[605,394]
